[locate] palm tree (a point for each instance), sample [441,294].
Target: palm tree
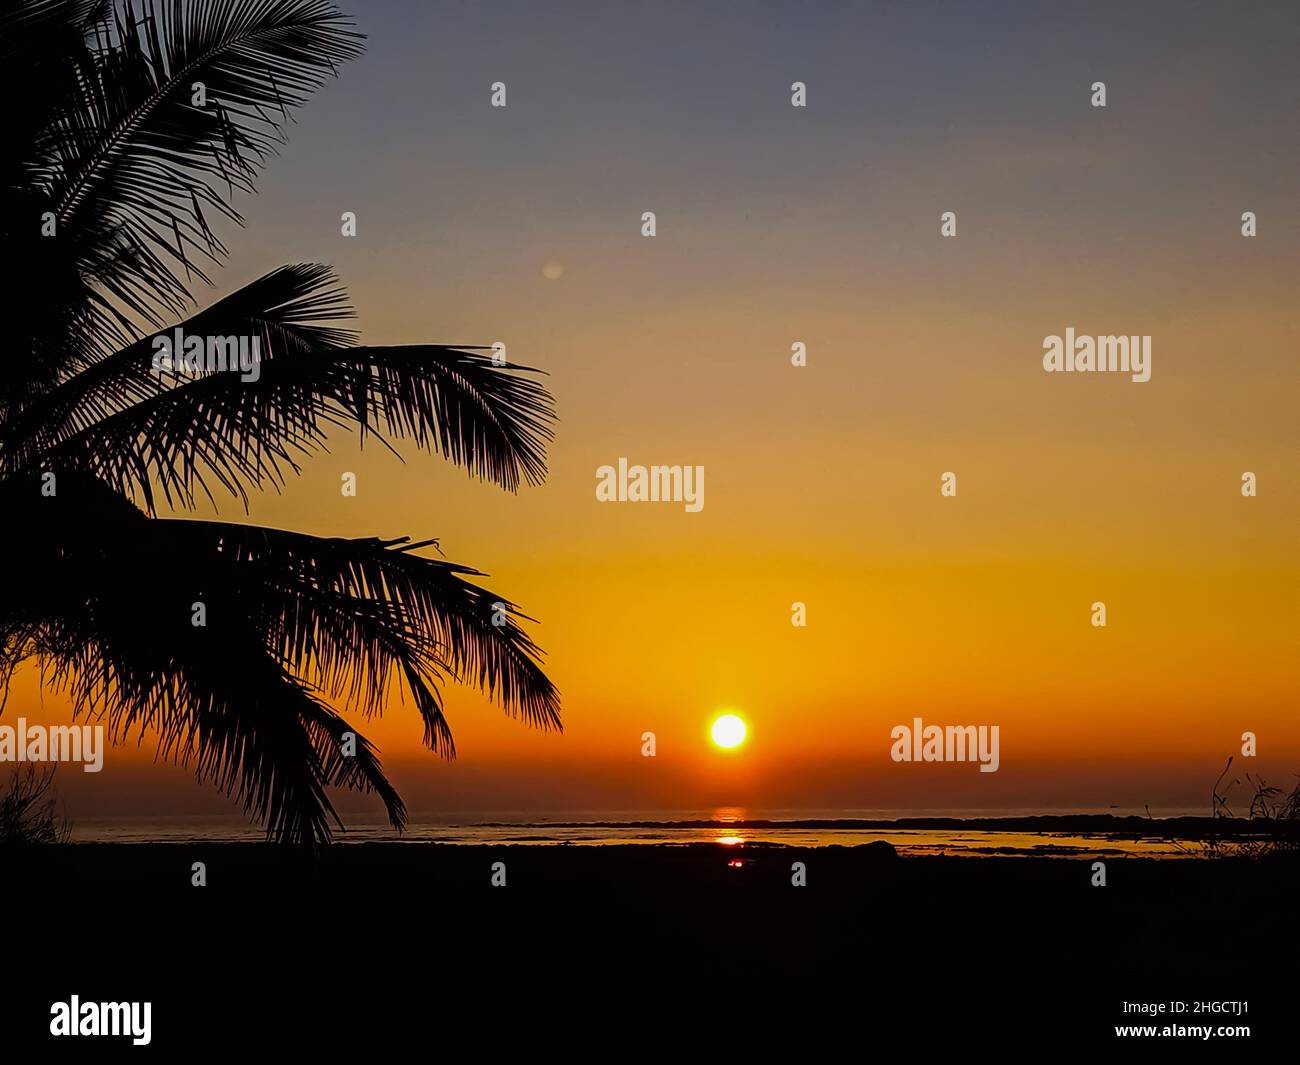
[113,164]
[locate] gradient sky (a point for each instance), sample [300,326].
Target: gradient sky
[778,224]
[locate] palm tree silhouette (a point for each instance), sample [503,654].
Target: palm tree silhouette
[129,128]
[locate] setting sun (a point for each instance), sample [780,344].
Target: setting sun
[729,731]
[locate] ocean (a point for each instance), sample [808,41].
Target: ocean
[973,835]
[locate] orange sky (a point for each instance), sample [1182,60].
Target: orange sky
[822,487]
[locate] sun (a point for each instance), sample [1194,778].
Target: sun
[729,731]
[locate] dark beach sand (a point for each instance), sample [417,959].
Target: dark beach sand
[647,948]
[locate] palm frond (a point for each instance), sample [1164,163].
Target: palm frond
[135,171]
[241,434]
[106,605]
[105,597]
[291,310]
[353,613]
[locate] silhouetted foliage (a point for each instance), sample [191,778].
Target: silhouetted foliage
[110,175]
[28,812]
[1274,818]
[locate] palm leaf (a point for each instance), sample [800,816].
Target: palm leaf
[112,627]
[104,599]
[134,170]
[242,434]
[350,613]
[292,309]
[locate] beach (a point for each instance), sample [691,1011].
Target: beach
[671,934]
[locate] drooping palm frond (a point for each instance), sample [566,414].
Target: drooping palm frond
[242,434]
[352,612]
[106,597]
[292,309]
[135,426]
[108,607]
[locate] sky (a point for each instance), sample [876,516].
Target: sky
[821,225]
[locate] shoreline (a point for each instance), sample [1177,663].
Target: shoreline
[1071,833]
[1094,823]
